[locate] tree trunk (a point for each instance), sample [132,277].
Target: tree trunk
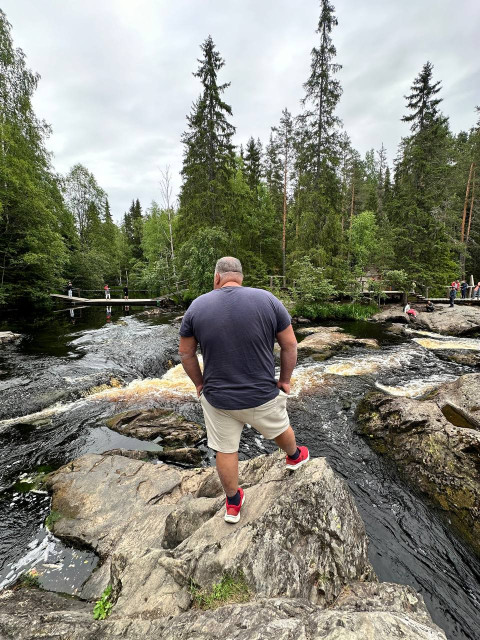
[471,210]
[462,235]
[284,212]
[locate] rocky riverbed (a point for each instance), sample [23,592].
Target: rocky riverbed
[114,435]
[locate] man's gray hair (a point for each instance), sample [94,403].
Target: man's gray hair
[228,265]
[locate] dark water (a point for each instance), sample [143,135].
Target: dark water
[409,541]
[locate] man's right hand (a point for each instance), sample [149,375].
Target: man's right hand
[284,386]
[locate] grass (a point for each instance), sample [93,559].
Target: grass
[335,311]
[231,588]
[52,518]
[103,607]
[29,579]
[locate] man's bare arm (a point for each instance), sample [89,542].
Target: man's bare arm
[187,351]
[288,357]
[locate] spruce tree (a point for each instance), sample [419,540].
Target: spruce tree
[209,159]
[253,164]
[317,156]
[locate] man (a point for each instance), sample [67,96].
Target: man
[429,307]
[236,327]
[453,294]
[463,289]
[106,288]
[125,292]
[69,288]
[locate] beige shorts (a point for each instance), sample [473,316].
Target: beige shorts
[224,426]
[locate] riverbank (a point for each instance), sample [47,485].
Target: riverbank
[334,311]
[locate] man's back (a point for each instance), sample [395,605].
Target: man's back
[236,329]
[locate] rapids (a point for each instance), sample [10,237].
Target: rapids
[67,375]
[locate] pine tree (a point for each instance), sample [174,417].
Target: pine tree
[284,141]
[209,159]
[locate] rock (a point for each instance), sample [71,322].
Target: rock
[459,321]
[467,358]
[393,313]
[162,528]
[173,429]
[185,455]
[301,320]
[363,611]
[436,443]
[397,329]
[9,336]
[324,342]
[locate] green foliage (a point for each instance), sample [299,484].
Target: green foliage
[334,311]
[231,588]
[103,607]
[30,579]
[364,239]
[199,256]
[52,518]
[311,285]
[397,279]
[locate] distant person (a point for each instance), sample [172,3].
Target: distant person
[412,314]
[414,284]
[406,308]
[106,288]
[125,292]
[429,307]
[476,291]
[453,295]
[69,289]
[463,289]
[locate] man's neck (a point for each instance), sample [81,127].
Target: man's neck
[231,283]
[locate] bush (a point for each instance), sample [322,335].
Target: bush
[311,285]
[103,607]
[334,311]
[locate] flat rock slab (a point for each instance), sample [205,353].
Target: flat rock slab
[324,342]
[459,321]
[436,443]
[363,611]
[391,314]
[173,429]
[157,529]
[9,336]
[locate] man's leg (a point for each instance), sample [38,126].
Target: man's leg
[227,469]
[287,442]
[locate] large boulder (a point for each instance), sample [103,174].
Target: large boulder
[460,321]
[436,443]
[324,342]
[158,530]
[172,428]
[392,313]
[363,610]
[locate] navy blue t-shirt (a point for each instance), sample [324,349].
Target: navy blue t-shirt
[236,329]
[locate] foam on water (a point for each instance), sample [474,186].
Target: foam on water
[457,343]
[415,388]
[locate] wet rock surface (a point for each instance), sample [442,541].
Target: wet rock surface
[171,428]
[436,442]
[9,336]
[363,610]
[324,342]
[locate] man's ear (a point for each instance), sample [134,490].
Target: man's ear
[216,279]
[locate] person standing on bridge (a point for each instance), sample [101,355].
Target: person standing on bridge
[236,328]
[106,288]
[125,292]
[69,289]
[463,289]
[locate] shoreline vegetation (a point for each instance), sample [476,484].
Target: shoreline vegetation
[334,311]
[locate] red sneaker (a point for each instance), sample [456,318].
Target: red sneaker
[301,460]
[232,512]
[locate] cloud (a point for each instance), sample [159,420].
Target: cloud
[117,76]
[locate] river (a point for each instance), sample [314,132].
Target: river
[70,372]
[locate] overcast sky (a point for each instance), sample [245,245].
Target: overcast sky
[117,74]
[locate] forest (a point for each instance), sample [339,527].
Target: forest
[303,204]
